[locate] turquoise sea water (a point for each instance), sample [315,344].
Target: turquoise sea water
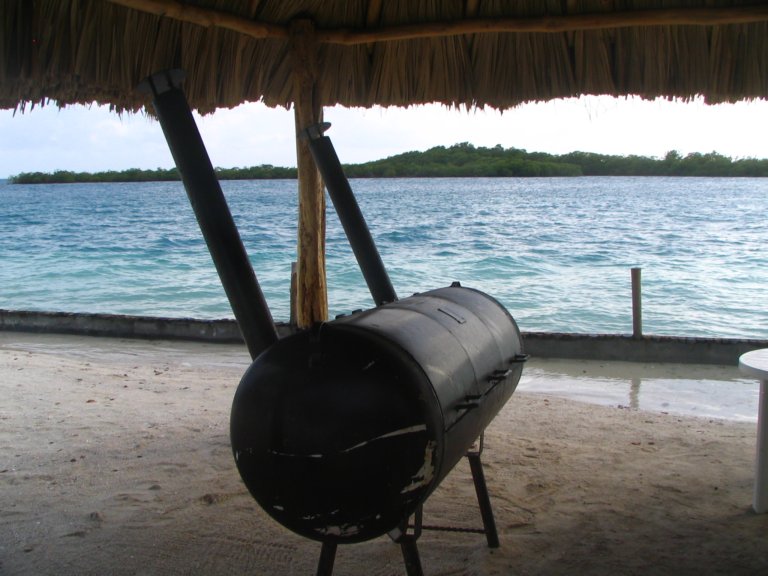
[556,251]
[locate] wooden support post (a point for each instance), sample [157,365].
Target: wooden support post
[311,290]
[637,303]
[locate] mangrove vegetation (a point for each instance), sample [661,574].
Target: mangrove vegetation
[461,160]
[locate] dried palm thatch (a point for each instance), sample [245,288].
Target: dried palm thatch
[459,52]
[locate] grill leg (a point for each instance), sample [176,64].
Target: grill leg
[327,556]
[408,545]
[418,520]
[483,500]
[411,555]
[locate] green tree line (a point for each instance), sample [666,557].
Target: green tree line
[464,160]
[467,160]
[459,160]
[262,172]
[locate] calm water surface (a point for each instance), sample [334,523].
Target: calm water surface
[556,251]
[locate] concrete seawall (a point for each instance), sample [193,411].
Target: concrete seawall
[658,349]
[724,351]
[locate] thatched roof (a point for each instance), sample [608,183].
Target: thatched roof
[459,52]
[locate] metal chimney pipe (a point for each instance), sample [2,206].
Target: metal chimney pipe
[207,199]
[350,216]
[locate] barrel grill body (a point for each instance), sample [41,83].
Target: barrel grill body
[342,431]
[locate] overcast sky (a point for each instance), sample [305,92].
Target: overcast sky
[92,138]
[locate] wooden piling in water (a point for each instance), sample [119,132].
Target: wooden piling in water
[637,304]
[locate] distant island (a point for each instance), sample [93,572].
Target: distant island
[460,160]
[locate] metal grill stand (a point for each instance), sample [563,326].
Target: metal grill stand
[408,534]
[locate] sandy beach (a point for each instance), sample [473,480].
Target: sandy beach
[115,459]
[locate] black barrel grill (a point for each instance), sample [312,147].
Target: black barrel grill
[340,433]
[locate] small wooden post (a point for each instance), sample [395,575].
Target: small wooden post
[637,304]
[311,289]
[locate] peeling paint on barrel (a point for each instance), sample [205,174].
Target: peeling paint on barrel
[401,431]
[423,477]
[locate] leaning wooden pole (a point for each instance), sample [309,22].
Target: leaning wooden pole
[311,291]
